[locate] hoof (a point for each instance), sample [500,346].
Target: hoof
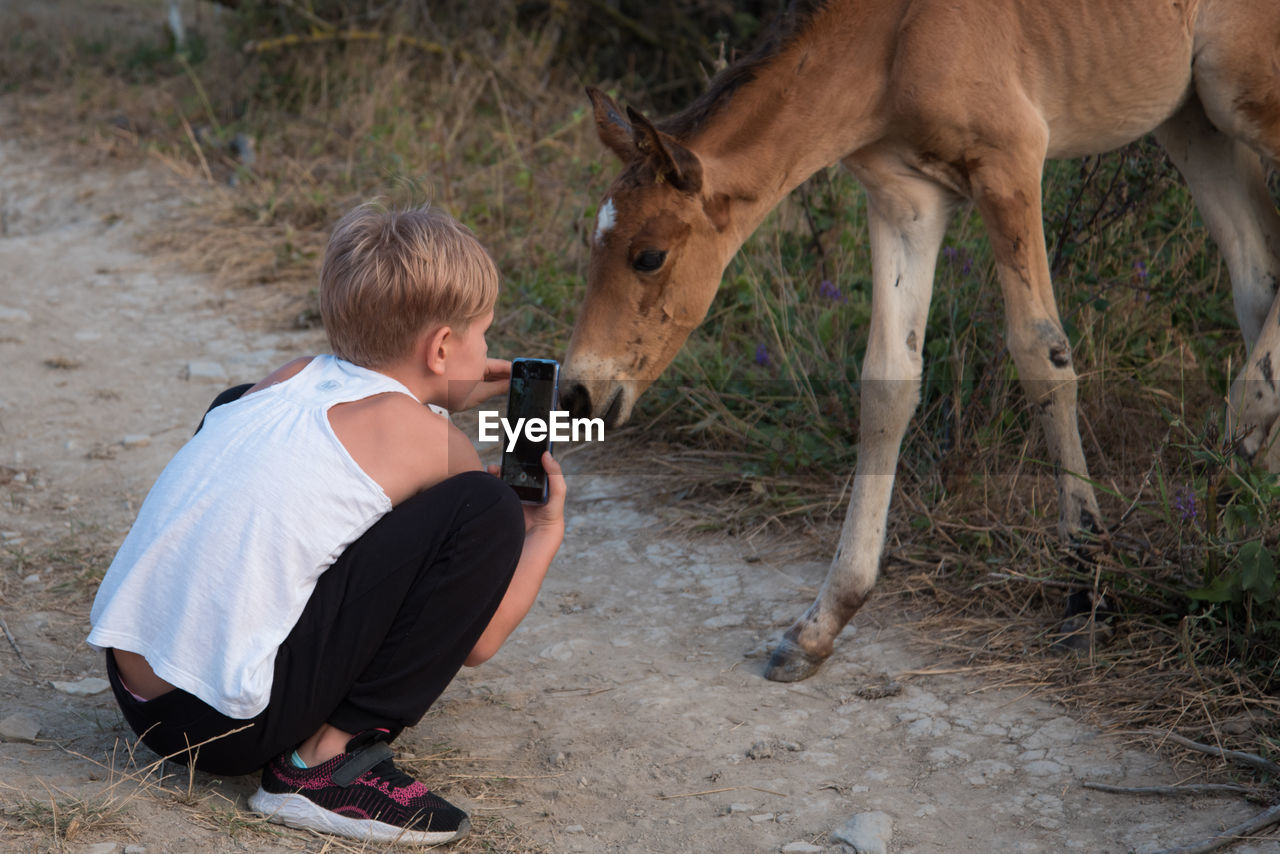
[1081,633]
[790,663]
[1088,623]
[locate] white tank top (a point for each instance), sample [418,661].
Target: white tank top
[229,543]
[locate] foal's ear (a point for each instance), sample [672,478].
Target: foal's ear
[614,130]
[673,163]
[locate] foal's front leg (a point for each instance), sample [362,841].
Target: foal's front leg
[1006,189]
[908,217]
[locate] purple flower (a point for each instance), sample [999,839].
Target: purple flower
[1184,501]
[954,254]
[762,356]
[828,289]
[1140,269]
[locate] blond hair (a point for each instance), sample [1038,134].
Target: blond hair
[389,274]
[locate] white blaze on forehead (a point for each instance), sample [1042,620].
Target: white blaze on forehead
[605,219]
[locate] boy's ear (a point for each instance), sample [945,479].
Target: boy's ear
[434,348]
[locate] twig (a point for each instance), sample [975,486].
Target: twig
[195,145]
[391,41]
[1231,835]
[13,643]
[1043,582]
[719,791]
[696,794]
[1194,789]
[1253,760]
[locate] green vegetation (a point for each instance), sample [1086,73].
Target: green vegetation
[482,113]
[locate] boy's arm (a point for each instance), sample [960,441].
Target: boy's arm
[544,531]
[497,379]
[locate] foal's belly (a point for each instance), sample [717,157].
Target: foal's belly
[1103,81]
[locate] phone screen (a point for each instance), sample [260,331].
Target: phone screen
[532,395]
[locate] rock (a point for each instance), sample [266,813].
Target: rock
[135,848]
[762,817]
[86,687]
[564,650]
[103,848]
[205,371]
[984,771]
[574,828]
[867,833]
[19,728]
[801,848]
[725,621]
[736,808]
[1043,768]
[243,150]
[766,748]
[14,315]
[136,440]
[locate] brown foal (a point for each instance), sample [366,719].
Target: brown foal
[928,103]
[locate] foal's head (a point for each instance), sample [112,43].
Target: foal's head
[658,248]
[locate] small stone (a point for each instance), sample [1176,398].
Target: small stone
[867,833]
[759,818]
[574,828]
[205,371]
[725,621]
[136,440]
[19,728]
[736,808]
[243,150]
[801,848]
[103,848]
[1043,768]
[135,848]
[14,315]
[86,687]
[984,771]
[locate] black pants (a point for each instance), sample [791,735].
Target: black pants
[385,630]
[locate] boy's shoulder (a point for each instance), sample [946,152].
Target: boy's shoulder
[401,443]
[282,373]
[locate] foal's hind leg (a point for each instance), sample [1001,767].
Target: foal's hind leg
[907,218]
[1237,80]
[1226,177]
[1006,189]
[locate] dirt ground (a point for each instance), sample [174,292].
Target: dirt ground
[625,715]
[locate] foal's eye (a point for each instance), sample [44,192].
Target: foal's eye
[649,260]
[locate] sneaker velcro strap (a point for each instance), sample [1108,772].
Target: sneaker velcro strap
[360,762]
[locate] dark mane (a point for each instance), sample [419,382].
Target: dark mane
[789,24]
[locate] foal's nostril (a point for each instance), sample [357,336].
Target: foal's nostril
[576,400]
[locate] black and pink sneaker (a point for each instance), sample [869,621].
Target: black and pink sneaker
[359,794]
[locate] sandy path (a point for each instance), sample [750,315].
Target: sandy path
[625,694]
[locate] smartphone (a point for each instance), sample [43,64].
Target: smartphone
[535,385]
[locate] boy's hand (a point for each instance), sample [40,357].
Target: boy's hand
[551,514]
[497,378]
